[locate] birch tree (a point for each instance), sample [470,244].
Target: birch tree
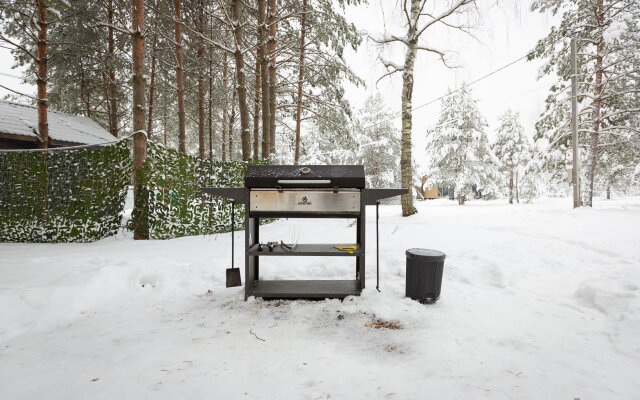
[417,21]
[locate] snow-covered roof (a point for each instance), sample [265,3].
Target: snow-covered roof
[22,119]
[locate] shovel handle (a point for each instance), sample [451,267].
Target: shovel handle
[233,208]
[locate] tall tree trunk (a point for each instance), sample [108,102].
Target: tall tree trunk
[232,119]
[271,46]
[141,230]
[152,87]
[85,100]
[264,80]
[201,91]
[407,90]
[517,190]
[303,21]
[256,113]
[111,74]
[164,120]
[43,124]
[511,188]
[182,137]
[225,72]
[210,107]
[608,191]
[593,142]
[241,85]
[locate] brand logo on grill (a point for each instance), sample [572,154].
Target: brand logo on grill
[304,202]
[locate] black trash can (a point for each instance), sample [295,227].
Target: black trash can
[424,274]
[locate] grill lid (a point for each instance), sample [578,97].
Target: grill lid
[303,176]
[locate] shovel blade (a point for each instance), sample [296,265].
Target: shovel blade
[233,277]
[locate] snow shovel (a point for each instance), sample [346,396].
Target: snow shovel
[233,273]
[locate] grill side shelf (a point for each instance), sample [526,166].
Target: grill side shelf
[239,195]
[316,249]
[371,196]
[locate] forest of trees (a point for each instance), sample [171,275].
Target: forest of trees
[228,79]
[232,80]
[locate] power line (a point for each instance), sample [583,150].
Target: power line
[11,76]
[453,91]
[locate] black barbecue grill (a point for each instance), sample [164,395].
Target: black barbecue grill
[303,191]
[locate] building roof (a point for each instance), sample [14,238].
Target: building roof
[22,119]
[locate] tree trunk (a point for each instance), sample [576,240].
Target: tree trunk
[210,107]
[407,89]
[517,190]
[182,137]
[597,102]
[241,86]
[511,188]
[264,71]
[141,229]
[256,114]
[303,20]
[152,87]
[232,119]
[43,124]
[225,72]
[271,46]
[111,74]
[85,100]
[609,192]
[164,120]
[201,92]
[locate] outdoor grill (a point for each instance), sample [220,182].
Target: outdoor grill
[304,191]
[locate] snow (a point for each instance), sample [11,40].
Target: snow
[539,301]
[613,32]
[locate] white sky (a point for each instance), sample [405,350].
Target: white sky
[505,32]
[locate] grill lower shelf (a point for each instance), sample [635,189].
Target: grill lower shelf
[304,250]
[296,289]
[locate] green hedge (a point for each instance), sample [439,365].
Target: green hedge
[176,206]
[78,195]
[65,195]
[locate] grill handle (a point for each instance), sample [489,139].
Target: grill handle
[304,182]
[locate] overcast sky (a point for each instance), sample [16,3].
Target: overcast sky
[505,33]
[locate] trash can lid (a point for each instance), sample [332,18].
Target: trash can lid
[426,254]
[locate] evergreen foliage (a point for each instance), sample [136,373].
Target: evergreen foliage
[458,151]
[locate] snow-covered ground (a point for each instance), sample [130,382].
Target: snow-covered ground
[538,302]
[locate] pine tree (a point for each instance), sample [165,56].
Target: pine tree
[608,39]
[458,151]
[378,143]
[511,149]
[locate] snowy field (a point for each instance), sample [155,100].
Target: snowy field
[538,302]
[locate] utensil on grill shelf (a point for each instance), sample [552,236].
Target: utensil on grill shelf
[233,273]
[291,247]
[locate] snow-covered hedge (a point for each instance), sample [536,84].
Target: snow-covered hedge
[78,195]
[176,206]
[63,196]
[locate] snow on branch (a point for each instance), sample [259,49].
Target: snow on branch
[438,52]
[389,39]
[391,67]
